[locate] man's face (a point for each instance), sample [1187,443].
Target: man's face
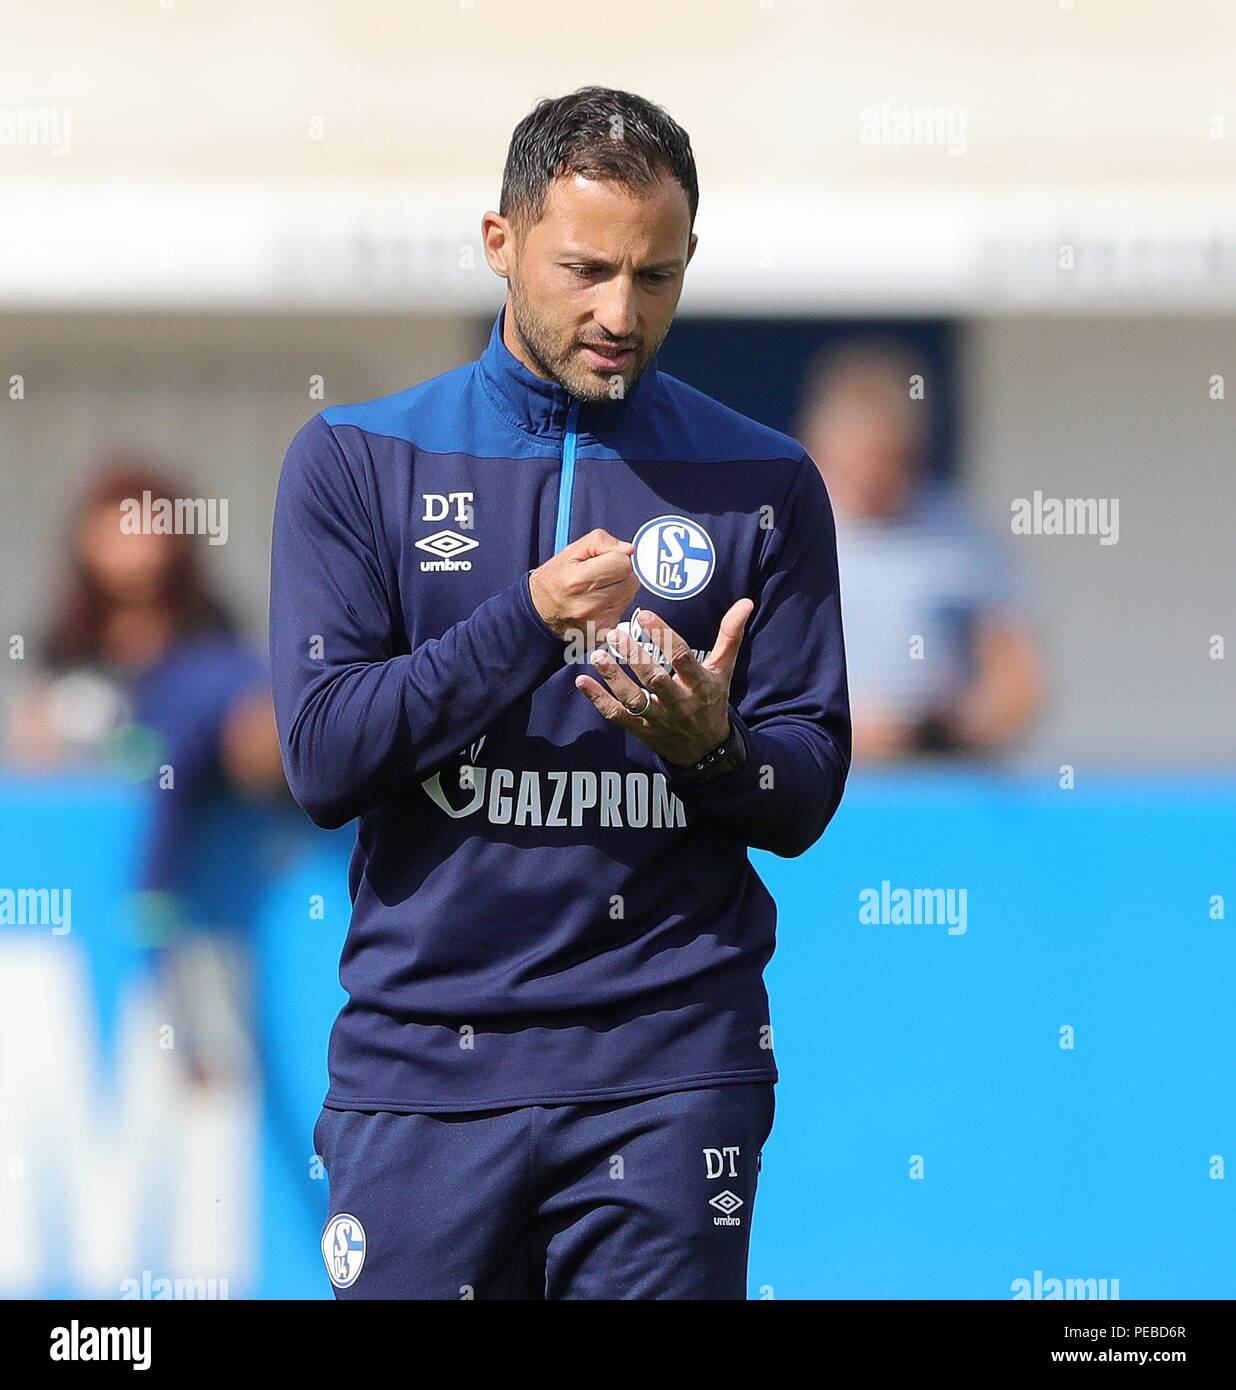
[866,449]
[594,284]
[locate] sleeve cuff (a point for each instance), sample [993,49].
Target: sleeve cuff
[523,595]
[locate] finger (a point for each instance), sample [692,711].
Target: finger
[627,691]
[729,637]
[611,710]
[598,541]
[647,668]
[686,668]
[606,569]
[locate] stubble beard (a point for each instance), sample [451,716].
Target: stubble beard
[568,368]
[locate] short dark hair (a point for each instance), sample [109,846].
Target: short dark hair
[601,133]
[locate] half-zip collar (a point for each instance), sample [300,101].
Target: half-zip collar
[541,408]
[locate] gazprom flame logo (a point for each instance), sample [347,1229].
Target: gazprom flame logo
[674,556]
[469,777]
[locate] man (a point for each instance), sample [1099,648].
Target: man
[942,658]
[554,1073]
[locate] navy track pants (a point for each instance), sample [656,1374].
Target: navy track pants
[643,1198]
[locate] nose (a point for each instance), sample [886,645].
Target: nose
[615,309]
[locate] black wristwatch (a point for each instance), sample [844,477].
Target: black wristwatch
[727,757]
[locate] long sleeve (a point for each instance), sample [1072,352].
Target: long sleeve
[795,713]
[359,715]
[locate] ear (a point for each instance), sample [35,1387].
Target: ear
[691,247]
[498,239]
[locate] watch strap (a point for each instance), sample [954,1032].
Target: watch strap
[726,758]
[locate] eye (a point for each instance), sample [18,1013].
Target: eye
[583,271]
[657,277]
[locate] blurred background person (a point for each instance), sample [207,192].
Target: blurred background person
[143,674]
[939,646]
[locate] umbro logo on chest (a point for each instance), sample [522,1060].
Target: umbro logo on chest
[447,546]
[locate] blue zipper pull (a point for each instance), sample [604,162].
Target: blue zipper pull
[566,479]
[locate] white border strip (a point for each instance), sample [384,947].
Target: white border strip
[386,247]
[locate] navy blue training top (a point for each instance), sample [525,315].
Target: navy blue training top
[544,910]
